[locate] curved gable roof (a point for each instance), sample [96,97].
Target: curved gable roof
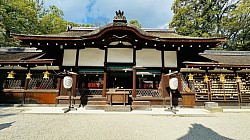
[78,33]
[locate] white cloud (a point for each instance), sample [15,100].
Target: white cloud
[150,13]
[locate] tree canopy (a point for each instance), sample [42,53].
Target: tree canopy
[213,18]
[29,17]
[237,26]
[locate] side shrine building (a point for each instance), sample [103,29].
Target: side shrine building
[118,57]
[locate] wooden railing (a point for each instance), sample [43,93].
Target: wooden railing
[139,92]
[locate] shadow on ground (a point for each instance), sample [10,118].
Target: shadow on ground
[198,132]
[5,125]
[6,115]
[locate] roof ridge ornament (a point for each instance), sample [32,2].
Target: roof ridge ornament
[120,18]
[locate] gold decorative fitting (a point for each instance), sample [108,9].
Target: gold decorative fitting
[46,75]
[222,78]
[238,79]
[206,78]
[28,75]
[11,75]
[190,77]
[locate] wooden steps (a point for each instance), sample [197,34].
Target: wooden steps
[65,99]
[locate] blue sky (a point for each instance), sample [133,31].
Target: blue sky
[150,13]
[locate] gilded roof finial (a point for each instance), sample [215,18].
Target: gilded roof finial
[120,16]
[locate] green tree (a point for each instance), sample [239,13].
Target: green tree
[237,27]
[135,23]
[16,16]
[29,17]
[225,18]
[200,17]
[52,22]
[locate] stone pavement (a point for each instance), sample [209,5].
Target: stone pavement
[44,122]
[155,111]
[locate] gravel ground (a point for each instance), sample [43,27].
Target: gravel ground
[18,126]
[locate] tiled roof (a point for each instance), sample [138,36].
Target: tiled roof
[172,35]
[228,57]
[73,33]
[19,54]
[78,32]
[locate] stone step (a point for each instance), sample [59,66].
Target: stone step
[97,103]
[97,99]
[215,109]
[210,104]
[118,108]
[141,107]
[96,107]
[141,103]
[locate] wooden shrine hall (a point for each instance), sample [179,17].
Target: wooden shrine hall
[119,57]
[225,79]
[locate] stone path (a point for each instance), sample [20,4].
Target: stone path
[21,123]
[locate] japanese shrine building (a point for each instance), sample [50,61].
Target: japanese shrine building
[117,55]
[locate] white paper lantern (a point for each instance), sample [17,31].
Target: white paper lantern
[67,82]
[173,83]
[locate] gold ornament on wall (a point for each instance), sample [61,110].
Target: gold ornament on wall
[11,75]
[206,78]
[222,78]
[46,75]
[190,77]
[237,78]
[28,75]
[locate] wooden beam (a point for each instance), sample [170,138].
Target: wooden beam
[30,91]
[104,88]
[163,84]
[134,83]
[73,89]
[25,88]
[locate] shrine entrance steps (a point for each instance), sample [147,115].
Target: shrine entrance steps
[103,104]
[145,104]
